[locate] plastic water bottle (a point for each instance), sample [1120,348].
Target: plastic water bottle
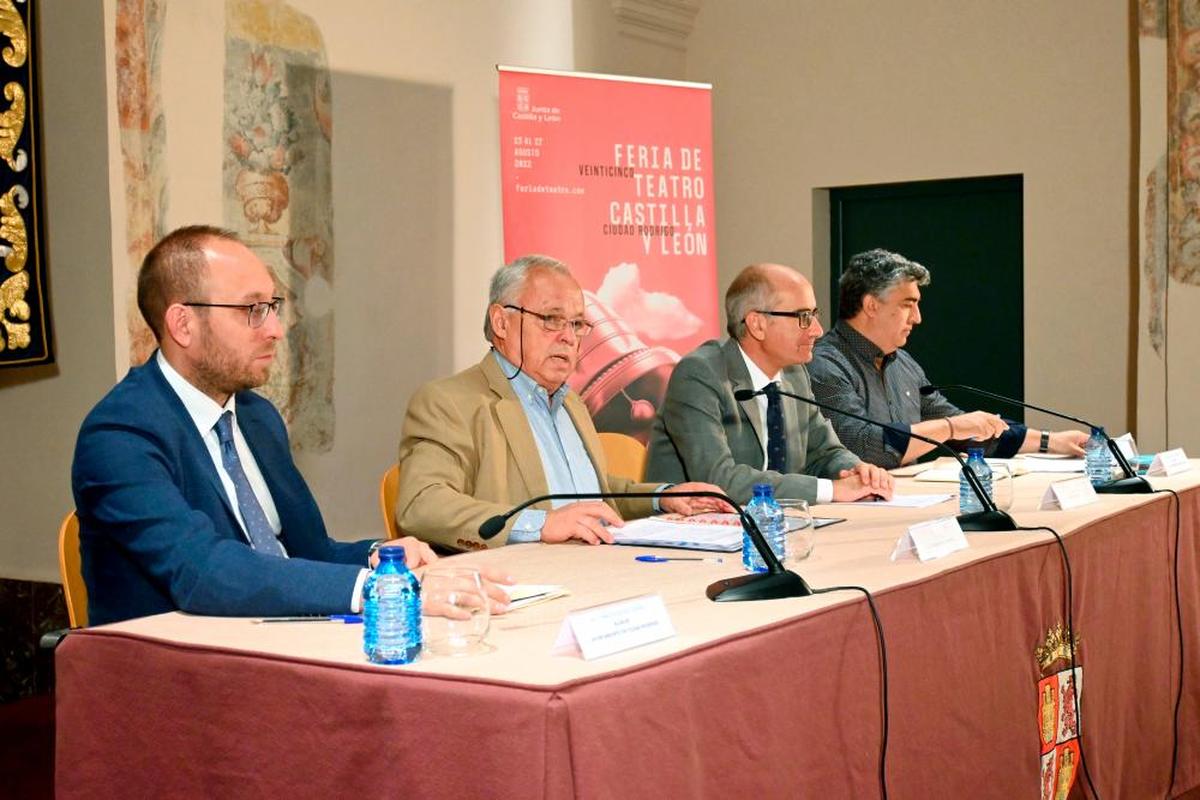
[370,612]
[1098,458]
[767,514]
[392,611]
[968,502]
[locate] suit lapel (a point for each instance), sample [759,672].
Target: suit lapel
[517,433]
[795,415]
[739,377]
[197,448]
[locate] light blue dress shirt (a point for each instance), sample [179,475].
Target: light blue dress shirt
[565,460]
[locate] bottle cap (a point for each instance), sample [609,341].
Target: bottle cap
[391,554]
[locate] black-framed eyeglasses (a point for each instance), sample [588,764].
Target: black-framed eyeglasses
[804,316]
[555,323]
[256,313]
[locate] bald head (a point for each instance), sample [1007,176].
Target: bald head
[755,288]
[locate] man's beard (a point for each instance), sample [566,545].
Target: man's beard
[221,372]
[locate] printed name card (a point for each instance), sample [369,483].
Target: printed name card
[610,628]
[931,539]
[1127,447]
[1169,462]
[1069,494]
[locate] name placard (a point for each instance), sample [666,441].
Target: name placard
[929,540]
[610,628]
[1127,447]
[1068,494]
[1169,462]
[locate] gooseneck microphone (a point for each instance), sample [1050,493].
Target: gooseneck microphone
[990,518]
[773,584]
[1132,483]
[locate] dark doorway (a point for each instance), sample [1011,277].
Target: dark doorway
[968,232]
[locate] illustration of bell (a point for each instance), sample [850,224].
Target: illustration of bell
[621,380]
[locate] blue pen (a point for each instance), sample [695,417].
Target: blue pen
[663,559]
[348,619]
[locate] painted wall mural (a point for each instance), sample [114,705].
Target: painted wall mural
[141,132]
[274,174]
[1169,230]
[277,188]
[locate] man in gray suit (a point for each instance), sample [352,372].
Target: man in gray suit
[704,434]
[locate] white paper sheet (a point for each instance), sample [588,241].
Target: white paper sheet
[904,501]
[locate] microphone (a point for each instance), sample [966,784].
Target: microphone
[773,584]
[990,518]
[1132,483]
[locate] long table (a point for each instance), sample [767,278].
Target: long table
[769,699]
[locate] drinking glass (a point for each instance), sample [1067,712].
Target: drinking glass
[799,521]
[1002,484]
[455,610]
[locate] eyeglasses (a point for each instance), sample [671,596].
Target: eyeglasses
[804,316]
[555,323]
[256,313]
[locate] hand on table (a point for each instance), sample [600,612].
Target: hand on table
[416,552]
[670,502]
[585,521]
[864,481]
[451,599]
[1068,443]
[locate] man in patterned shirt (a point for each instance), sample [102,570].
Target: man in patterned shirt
[859,366]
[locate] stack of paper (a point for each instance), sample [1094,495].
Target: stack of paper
[720,532]
[948,472]
[1050,463]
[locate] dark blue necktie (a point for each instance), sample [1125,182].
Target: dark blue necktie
[262,537]
[776,436]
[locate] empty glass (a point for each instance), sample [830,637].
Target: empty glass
[801,536]
[1002,484]
[455,611]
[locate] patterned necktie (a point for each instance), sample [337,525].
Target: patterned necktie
[262,537]
[776,436]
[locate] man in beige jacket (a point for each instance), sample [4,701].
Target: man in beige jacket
[509,429]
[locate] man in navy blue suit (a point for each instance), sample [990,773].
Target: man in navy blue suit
[185,488]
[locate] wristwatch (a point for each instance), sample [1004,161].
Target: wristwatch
[374,546]
[1044,447]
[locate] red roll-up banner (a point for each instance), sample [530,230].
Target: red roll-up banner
[613,175]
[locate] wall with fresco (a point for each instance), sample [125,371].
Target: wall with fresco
[1168,236]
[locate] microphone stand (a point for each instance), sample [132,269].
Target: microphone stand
[777,582]
[1132,483]
[991,518]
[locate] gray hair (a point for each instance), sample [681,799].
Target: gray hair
[751,290]
[509,280]
[875,272]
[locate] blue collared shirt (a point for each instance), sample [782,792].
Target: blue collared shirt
[565,461]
